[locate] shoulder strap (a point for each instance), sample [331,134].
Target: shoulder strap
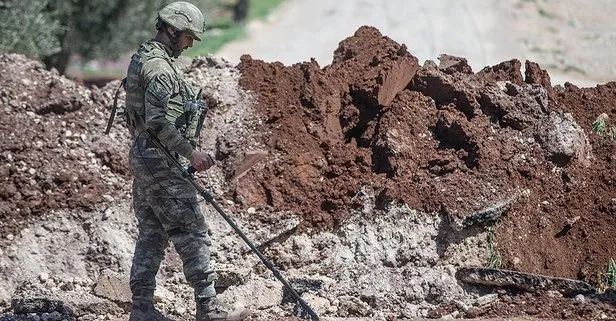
[156,53]
[114,108]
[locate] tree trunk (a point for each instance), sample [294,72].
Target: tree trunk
[240,11]
[59,61]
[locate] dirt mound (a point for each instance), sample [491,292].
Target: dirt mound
[477,147]
[361,150]
[52,149]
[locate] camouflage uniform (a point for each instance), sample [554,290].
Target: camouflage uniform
[165,203]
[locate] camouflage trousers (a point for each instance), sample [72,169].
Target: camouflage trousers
[166,207]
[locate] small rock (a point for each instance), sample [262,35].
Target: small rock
[113,286]
[553,294]
[44,277]
[163,295]
[564,140]
[68,286]
[40,231]
[486,299]
[229,202]
[461,305]
[10,237]
[579,298]
[319,304]
[232,277]
[251,210]
[180,310]
[217,62]
[85,282]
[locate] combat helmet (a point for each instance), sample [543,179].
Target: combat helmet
[183,16]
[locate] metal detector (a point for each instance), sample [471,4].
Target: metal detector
[187,173]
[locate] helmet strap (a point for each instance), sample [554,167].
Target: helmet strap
[174,38]
[175,41]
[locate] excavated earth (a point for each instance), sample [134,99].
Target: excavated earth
[441,139]
[368,154]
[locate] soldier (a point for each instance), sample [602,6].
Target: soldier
[166,205]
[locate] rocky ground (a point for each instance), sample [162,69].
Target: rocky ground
[371,183]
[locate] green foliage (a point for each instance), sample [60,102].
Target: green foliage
[494,258]
[214,41]
[106,28]
[600,124]
[611,273]
[221,29]
[607,280]
[262,8]
[55,29]
[29,27]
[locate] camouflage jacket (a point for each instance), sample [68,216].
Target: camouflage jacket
[155,96]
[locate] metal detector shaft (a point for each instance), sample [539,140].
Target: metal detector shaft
[210,199]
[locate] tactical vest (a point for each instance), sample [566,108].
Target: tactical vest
[188,123]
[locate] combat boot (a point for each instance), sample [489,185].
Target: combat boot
[214,310]
[143,310]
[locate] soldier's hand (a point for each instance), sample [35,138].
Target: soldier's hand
[193,105]
[201,161]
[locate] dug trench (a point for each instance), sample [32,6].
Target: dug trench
[370,182]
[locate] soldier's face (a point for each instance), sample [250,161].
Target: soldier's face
[186,41]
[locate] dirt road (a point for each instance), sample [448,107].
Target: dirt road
[572,40]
